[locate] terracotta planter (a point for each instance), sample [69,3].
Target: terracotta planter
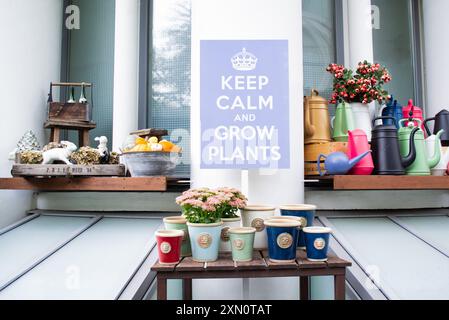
[169,245]
[205,240]
[254,216]
[242,243]
[180,223]
[228,223]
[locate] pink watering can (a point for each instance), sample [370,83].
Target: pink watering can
[357,145]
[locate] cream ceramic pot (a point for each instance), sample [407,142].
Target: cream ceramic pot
[228,223]
[441,167]
[362,118]
[254,216]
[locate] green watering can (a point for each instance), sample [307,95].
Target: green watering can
[342,122]
[423,163]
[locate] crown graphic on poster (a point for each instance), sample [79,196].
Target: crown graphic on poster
[244,61]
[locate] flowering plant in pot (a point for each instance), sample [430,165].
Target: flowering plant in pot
[232,201]
[205,211]
[359,89]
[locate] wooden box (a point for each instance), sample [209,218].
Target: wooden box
[73,111]
[63,170]
[58,111]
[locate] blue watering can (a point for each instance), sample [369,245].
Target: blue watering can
[392,109]
[338,163]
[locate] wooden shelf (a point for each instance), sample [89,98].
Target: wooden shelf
[98,184]
[354,183]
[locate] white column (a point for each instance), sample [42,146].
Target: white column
[125,70]
[247,20]
[436,48]
[360,35]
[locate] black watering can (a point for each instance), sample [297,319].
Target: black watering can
[385,149]
[441,123]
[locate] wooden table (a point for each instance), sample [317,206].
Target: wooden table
[260,267]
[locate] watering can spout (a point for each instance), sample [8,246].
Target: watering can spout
[435,159]
[357,159]
[410,158]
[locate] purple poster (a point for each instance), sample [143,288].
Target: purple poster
[244,104]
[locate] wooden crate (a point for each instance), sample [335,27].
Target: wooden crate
[64,111]
[62,170]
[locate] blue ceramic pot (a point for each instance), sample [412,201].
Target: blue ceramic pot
[205,241]
[282,239]
[317,242]
[307,214]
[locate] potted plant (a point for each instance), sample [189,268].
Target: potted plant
[232,201]
[200,207]
[359,89]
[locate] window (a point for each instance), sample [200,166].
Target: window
[319,45]
[168,100]
[394,47]
[90,58]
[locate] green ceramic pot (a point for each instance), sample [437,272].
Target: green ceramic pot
[242,243]
[180,223]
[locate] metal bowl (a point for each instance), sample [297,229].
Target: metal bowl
[144,164]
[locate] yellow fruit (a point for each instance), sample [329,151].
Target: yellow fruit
[141,148]
[167,146]
[153,140]
[176,149]
[141,141]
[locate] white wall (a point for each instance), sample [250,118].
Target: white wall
[30,54]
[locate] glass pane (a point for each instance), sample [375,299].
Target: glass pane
[395,258]
[318,44]
[393,45]
[96,265]
[170,94]
[91,59]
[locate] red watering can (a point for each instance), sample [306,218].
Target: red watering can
[357,145]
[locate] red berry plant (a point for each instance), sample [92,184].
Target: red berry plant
[365,86]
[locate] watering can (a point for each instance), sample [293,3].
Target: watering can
[412,111]
[441,168]
[423,163]
[392,109]
[358,144]
[317,127]
[441,123]
[338,163]
[385,147]
[342,122]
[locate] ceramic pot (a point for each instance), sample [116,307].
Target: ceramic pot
[362,118]
[205,240]
[282,239]
[242,243]
[254,216]
[228,223]
[169,245]
[306,212]
[180,223]
[317,242]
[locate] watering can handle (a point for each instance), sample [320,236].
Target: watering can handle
[384,118]
[427,128]
[319,164]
